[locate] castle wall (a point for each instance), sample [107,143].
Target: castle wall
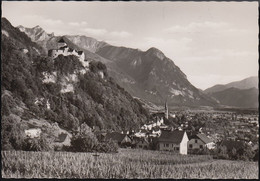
[65,52]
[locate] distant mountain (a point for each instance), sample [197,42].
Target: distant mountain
[154,77]
[243,98]
[87,43]
[247,83]
[36,33]
[149,75]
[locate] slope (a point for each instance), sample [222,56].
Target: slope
[244,98]
[155,77]
[60,90]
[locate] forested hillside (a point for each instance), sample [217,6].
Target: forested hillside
[59,90]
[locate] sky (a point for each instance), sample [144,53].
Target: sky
[212,42]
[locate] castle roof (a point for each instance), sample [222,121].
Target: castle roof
[61,40]
[62,48]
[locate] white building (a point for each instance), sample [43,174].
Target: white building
[200,142]
[175,141]
[33,133]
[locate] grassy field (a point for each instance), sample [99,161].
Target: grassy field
[128,163]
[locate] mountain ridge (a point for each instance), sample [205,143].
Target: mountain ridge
[146,74]
[240,98]
[246,83]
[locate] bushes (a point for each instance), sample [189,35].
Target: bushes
[12,136]
[107,147]
[89,143]
[37,144]
[86,141]
[243,153]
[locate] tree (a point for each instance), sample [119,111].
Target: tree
[233,154]
[223,152]
[37,144]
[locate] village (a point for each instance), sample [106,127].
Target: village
[189,132]
[179,132]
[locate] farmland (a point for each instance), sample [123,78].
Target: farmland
[126,163]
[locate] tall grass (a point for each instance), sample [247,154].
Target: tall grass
[125,164]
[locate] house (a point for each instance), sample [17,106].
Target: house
[141,133]
[121,139]
[173,141]
[62,139]
[155,132]
[159,122]
[142,143]
[200,142]
[163,127]
[24,50]
[33,133]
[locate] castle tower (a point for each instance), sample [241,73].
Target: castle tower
[166,113]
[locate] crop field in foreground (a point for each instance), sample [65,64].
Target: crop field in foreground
[128,163]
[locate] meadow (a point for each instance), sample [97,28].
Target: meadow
[127,163]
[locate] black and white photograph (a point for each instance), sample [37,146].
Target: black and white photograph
[129,90]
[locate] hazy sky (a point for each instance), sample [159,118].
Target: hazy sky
[211,42]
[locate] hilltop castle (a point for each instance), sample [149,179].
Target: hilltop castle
[65,50]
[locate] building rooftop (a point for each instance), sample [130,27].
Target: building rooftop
[171,136]
[61,138]
[115,136]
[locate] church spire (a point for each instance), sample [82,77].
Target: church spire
[166,113]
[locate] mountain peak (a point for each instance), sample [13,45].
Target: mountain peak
[153,49]
[242,84]
[36,33]
[37,27]
[158,53]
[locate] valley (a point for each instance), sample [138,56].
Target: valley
[76,107]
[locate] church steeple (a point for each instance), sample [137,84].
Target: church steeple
[166,113]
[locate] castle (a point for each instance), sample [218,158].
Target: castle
[65,50]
